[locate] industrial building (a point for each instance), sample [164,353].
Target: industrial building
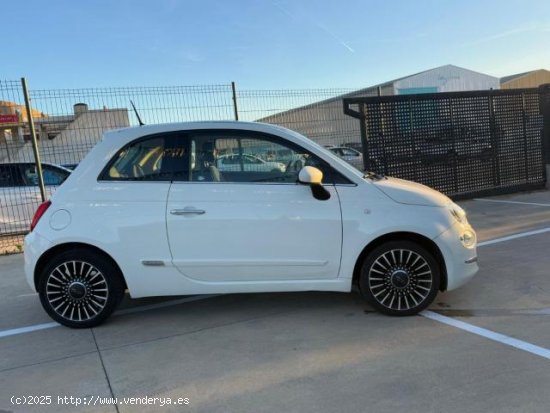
[64,140]
[326,123]
[534,78]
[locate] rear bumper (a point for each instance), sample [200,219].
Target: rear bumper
[35,246]
[460,262]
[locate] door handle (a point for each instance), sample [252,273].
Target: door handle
[188,211]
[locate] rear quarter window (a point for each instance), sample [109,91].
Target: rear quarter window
[155,158]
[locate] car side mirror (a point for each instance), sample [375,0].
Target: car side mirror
[313,177]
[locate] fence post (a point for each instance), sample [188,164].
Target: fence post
[544,102]
[455,152]
[495,136]
[364,137]
[34,140]
[235,108]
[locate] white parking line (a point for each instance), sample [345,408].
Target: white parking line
[37,327]
[29,329]
[27,295]
[491,335]
[514,236]
[501,201]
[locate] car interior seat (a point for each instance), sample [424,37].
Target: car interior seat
[209,168]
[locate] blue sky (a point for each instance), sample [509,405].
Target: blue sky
[280,44]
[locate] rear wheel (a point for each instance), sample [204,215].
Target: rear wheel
[400,278]
[80,288]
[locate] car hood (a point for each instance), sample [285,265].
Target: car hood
[411,193]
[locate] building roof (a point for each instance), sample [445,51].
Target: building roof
[509,78]
[370,90]
[22,109]
[354,93]
[390,82]
[512,77]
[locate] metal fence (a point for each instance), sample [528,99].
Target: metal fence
[495,146]
[16,200]
[464,144]
[69,122]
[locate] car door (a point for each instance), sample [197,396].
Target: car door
[21,193]
[14,216]
[132,191]
[252,225]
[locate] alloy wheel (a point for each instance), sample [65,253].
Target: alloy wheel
[400,279]
[77,290]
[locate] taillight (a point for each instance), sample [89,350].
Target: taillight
[43,207]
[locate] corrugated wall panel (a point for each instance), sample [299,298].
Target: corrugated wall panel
[449,79]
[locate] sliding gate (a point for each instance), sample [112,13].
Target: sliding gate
[462,143]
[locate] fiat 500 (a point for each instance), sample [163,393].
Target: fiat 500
[149,211]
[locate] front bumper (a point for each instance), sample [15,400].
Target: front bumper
[460,262]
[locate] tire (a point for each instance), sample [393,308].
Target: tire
[80,288]
[399,278]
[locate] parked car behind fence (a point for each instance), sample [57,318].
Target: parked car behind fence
[20,193]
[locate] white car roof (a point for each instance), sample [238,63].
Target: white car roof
[130,133]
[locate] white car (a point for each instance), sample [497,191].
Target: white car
[350,155]
[247,163]
[138,214]
[20,194]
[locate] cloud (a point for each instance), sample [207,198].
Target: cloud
[531,28]
[193,57]
[335,37]
[283,10]
[317,24]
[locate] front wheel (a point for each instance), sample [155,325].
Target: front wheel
[399,278]
[80,288]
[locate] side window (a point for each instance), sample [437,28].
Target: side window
[9,176]
[157,158]
[53,176]
[29,174]
[349,152]
[240,157]
[252,160]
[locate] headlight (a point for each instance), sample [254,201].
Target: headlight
[468,238]
[458,213]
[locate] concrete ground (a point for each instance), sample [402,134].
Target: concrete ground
[305,352]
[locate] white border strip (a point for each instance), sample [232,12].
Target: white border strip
[501,201]
[514,236]
[29,329]
[491,335]
[37,327]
